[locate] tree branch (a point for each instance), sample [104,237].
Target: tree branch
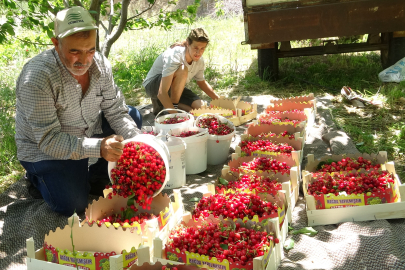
[66,3]
[139,14]
[105,28]
[28,41]
[78,3]
[121,26]
[133,29]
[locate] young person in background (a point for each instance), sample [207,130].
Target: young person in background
[166,80]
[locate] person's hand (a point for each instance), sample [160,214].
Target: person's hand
[111,147]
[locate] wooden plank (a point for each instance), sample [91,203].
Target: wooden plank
[326,20]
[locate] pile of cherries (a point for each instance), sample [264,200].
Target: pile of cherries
[233,205]
[139,173]
[174,120]
[349,164]
[280,112]
[263,145]
[259,184]
[352,183]
[276,119]
[189,133]
[284,134]
[127,215]
[214,126]
[238,244]
[266,164]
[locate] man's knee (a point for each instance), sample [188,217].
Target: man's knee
[197,104]
[67,208]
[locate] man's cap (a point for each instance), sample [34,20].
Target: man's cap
[198,34]
[73,20]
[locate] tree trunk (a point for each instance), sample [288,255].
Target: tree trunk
[111,38]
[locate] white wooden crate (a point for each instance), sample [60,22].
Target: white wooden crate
[36,259]
[291,188]
[358,213]
[274,260]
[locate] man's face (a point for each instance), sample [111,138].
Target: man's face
[76,52]
[196,49]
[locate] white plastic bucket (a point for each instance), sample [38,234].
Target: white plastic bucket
[218,145]
[165,128]
[158,145]
[147,129]
[177,162]
[196,151]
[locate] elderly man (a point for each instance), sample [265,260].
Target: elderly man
[69,110]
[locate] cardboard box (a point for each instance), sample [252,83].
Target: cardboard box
[223,112]
[330,201]
[277,129]
[238,107]
[358,213]
[302,118]
[270,260]
[85,239]
[159,264]
[290,186]
[297,144]
[304,98]
[380,158]
[161,207]
[290,189]
[255,131]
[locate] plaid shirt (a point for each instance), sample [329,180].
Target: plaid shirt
[55,121]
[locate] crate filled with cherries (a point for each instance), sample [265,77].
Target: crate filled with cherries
[222,244]
[344,181]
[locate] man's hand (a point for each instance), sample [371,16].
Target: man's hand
[111,147]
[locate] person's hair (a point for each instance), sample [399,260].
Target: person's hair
[201,39]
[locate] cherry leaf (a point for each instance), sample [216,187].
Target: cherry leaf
[131,201]
[224,246]
[289,244]
[195,199]
[223,181]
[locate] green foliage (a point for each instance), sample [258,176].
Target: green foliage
[39,14]
[130,71]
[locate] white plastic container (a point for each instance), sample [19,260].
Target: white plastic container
[218,145]
[158,145]
[196,151]
[165,128]
[177,162]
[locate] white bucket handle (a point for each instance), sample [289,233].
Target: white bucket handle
[165,110]
[203,114]
[202,133]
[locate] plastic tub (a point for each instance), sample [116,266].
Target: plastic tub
[165,128]
[196,151]
[218,145]
[177,162]
[158,145]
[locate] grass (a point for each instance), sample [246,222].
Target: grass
[231,68]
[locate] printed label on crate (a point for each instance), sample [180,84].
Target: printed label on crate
[281,214]
[135,227]
[164,217]
[331,201]
[84,262]
[129,258]
[266,256]
[262,154]
[87,260]
[204,261]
